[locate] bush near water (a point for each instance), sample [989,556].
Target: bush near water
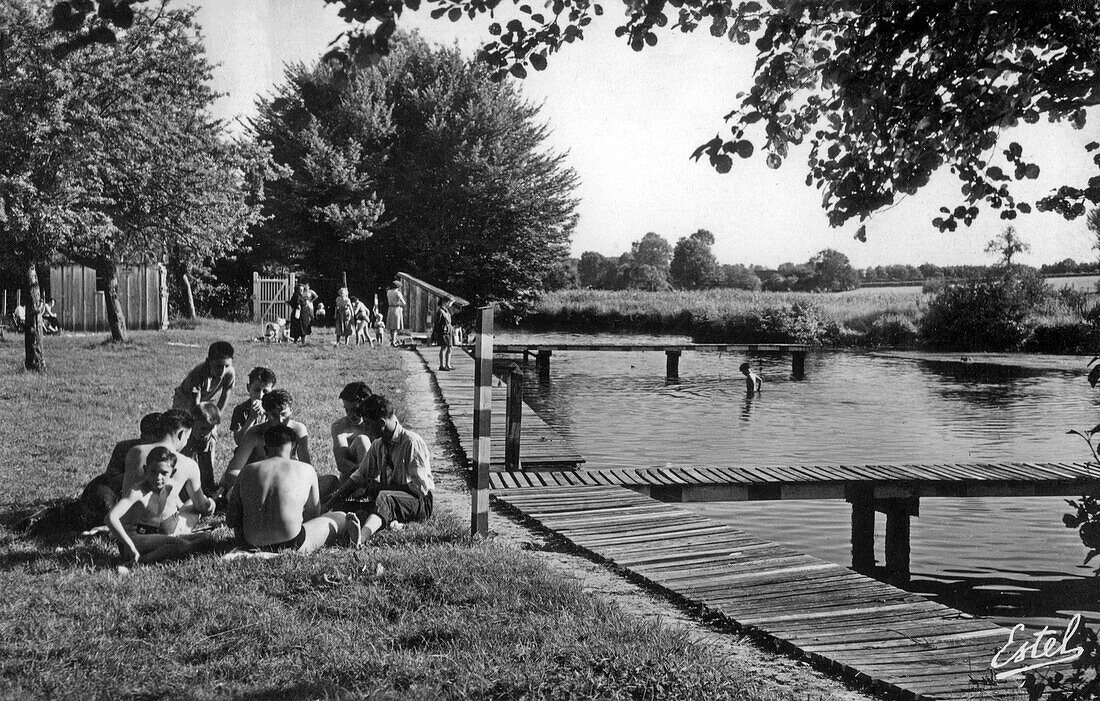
[1014,313]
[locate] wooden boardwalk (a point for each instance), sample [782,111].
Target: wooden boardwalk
[542,447]
[825,482]
[892,639]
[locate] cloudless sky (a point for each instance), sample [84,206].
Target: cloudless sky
[629,123]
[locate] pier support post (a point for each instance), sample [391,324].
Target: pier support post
[513,416]
[898,512]
[542,364]
[863,532]
[672,364]
[798,364]
[483,422]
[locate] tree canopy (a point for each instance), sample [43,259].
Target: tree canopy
[419,163]
[110,155]
[886,93]
[693,264]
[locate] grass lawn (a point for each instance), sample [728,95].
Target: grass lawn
[422,613]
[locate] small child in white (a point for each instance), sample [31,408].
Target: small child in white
[752,380]
[149,522]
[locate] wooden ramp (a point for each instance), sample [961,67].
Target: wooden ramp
[542,447]
[887,637]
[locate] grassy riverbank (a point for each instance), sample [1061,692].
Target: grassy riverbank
[423,613]
[872,317]
[692,312]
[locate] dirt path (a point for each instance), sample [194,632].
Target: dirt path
[794,676]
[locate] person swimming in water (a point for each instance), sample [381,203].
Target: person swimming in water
[752,380]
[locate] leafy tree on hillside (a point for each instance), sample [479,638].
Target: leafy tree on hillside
[693,264]
[419,163]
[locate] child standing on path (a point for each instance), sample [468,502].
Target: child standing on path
[443,332]
[209,382]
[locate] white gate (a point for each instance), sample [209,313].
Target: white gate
[270,295]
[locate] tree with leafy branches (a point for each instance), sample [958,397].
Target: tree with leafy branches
[111,154]
[693,264]
[419,163]
[1007,245]
[886,93]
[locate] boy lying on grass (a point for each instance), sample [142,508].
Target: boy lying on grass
[274,504]
[149,521]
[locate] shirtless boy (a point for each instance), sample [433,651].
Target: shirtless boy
[349,427]
[173,432]
[149,520]
[274,505]
[103,492]
[278,406]
[752,380]
[250,412]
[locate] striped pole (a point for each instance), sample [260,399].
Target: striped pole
[483,398]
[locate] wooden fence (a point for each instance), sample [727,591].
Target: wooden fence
[422,299]
[270,295]
[80,306]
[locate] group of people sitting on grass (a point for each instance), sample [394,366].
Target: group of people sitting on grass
[158,488]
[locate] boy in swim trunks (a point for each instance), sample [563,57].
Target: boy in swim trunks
[752,380]
[274,505]
[149,521]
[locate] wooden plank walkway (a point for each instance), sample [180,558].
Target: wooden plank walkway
[630,347]
[542,447]
[825,482]
[890,638]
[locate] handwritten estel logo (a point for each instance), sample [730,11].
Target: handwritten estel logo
[1045,648]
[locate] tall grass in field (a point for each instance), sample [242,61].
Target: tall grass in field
[691,311]
[425,613]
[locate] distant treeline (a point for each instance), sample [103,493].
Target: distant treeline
[654,264]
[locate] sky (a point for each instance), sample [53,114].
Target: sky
[629,122]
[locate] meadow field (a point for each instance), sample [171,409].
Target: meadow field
[426,612]
[685,311]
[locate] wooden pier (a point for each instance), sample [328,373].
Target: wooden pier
[891,639]
[672,351]
[894,490]
[541,448]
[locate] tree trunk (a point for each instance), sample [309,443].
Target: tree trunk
[115,317]
[188,309]
[35,359]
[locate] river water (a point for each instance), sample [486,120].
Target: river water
[1008,558]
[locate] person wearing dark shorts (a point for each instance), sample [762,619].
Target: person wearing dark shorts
[443,332]
[396,471]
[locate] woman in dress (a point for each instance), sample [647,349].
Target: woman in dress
[295,304]
[395,313]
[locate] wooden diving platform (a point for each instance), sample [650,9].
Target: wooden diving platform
[672,351]
[891,639]
[542,447]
